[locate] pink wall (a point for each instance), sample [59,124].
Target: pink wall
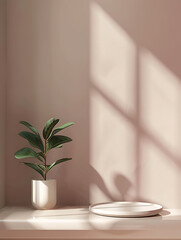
[135,131]
[48,77]
[112,67]
[2,94]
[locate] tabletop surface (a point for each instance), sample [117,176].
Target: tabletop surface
[79,223]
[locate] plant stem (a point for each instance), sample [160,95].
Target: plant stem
[45,161]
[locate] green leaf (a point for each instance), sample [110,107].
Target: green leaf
[35,167]
[26,153]
[33,139]
[58,129]
[41,155]
[50,124]
[59,146]
[41,166]
[57,140]
[30,127]
[57,162]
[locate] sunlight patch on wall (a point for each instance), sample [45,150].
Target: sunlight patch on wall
[160,101]
[160,119]
[112,100]
[111,151]
[112,58]
[159,176]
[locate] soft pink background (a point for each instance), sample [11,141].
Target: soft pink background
[48,76]
[112,67]
[2,95]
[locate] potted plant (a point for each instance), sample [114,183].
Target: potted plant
[43,191]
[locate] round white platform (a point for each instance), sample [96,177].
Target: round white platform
[126,209]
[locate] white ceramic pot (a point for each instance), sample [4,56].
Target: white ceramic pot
[44,194]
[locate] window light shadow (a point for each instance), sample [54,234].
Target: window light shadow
[135,112]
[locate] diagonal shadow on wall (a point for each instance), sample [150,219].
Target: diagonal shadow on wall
[149,27]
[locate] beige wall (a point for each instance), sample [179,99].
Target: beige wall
[2,95]
[113,67]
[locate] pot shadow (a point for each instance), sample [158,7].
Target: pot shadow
[122,184]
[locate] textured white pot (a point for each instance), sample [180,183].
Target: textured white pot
[44,194]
